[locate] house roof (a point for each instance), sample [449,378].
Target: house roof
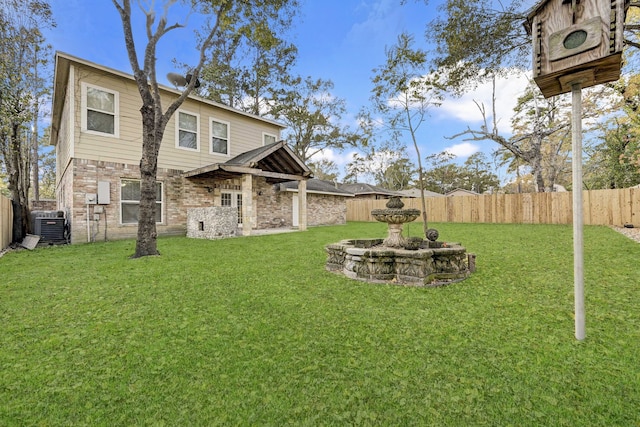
[461,192]
[363,188]
[276,162]
[415,192]
[316,186]
[63,62]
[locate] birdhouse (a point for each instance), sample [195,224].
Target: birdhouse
[576,41]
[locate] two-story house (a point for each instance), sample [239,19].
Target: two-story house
[211,155]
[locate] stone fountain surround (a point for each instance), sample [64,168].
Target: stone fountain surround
[396,259]
[369,260]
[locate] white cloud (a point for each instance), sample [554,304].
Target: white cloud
[340,159]
[465,108]
[464,149]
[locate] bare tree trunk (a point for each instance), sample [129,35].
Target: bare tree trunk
[17,165]
[153,130]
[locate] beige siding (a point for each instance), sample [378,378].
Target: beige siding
[64,148]
[246,133]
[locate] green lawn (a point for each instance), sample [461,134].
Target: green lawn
[254,331]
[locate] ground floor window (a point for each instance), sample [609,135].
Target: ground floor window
[233,199]
[130,201]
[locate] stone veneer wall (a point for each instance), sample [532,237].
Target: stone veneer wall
[216,222]
[272,208]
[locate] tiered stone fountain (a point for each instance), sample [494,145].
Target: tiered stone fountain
[397,259]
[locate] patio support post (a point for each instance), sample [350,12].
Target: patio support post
[302,205]
[247,203]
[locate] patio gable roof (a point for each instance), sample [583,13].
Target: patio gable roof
[277,162]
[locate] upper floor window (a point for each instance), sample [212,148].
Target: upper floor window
[268,139]
[130,201]
[99,110]
[187,131]
[219,137]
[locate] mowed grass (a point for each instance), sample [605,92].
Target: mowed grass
[254,331]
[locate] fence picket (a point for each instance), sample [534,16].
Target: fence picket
[601,207]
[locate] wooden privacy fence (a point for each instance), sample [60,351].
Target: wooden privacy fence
[601,207]
[6,222]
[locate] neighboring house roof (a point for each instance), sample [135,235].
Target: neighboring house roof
[61,81]
[360,189]
[316,186]
[415,193]
[276,162]
[461,192]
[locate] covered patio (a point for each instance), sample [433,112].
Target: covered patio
[268,165]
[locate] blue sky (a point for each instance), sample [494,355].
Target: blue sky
[338,40]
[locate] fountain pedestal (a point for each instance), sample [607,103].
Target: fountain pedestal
[395,216]
[395,239]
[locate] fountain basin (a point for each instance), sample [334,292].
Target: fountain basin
[395,216]
[369,260]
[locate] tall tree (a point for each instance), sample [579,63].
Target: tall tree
[403,95]
[314,118]
[476,40]
[442,175]
[224,19]
[21,56]
[248,70]
[534,122]
[477,174]
[324,169]
[389,165]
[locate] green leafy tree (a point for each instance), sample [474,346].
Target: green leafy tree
[22,54]
[314,118]
[223,20]
[442,175]
[324,169]
[402,97]
[477,174]
[356,169]
[477,40]
[390,167]
[248,69]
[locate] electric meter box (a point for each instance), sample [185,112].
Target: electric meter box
[104,195]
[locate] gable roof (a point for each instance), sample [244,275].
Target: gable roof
[316,186]
[363,188]
[276,162]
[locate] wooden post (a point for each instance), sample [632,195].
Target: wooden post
[247,204]
[578,247]
[302,205]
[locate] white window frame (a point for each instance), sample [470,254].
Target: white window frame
[159,203]
[116,113]
[197,116]
[265,135]
[211,122]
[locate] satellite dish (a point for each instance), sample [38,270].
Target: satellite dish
[177,79]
